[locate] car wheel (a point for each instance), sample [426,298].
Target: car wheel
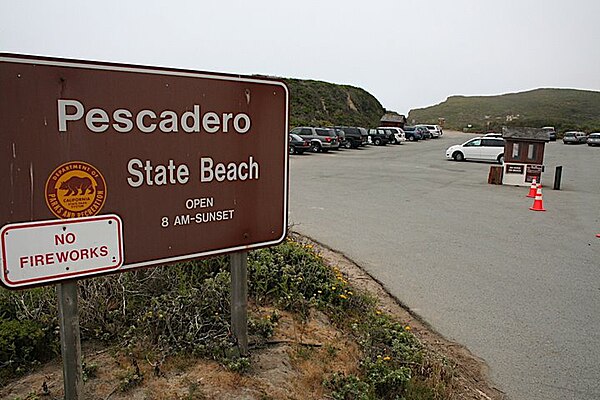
[458,156]
[292,150]
[377,142]
[299,151]
[348,145]
[501,159]
[315,147]
[411,138]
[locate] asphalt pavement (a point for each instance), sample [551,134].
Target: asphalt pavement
[519,288]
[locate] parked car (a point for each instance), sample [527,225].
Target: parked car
[411,133]
[365,136]
[321,139]
[551,132]
[574,137]
[354,136]
[479,148]
[425,134]
[297,145]
[341,134]
[395,135]
[593,139]
[400,135]
[434,130]
[379,136]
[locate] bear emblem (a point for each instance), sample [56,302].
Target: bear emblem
[77,186]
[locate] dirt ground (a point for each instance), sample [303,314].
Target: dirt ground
[292,365]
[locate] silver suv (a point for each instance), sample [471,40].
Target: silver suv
[321,139]
[574,137]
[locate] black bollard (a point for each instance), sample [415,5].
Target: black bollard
[557,177]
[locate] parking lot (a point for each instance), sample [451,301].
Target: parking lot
[520,289]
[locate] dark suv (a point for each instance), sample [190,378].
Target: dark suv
[354,137]
[379,136]
[321,139]
[425,134]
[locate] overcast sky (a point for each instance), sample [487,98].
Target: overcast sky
[409,54]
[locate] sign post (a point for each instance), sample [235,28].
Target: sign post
[239,300]
[70,341]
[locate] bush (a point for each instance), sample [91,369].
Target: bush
[24,344]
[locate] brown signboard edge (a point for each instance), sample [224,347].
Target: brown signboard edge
[110,66]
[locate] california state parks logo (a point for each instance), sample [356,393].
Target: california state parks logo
[75,189]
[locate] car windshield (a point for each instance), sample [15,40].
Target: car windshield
[569,134]
[296,137]
[595,135]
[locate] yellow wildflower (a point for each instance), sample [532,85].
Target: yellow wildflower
[407,328]
[387,358]
[343,296]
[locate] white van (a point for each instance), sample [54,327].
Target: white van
[479,148]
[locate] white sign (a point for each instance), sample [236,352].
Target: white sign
[40,252]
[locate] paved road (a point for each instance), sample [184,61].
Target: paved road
[521,289]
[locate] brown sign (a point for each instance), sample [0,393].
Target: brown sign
[195,164]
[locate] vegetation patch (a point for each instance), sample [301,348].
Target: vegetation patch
[171,312]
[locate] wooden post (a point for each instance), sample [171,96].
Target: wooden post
[239,300]
[70,341]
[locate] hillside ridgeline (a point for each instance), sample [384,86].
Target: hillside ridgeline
[565,109]
[316,103]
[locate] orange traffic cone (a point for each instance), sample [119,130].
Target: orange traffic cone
[537,202]
[532,189]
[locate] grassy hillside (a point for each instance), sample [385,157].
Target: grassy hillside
[565,109]
[316,103]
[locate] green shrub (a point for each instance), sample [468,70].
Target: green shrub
[348,387]
[24,344]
